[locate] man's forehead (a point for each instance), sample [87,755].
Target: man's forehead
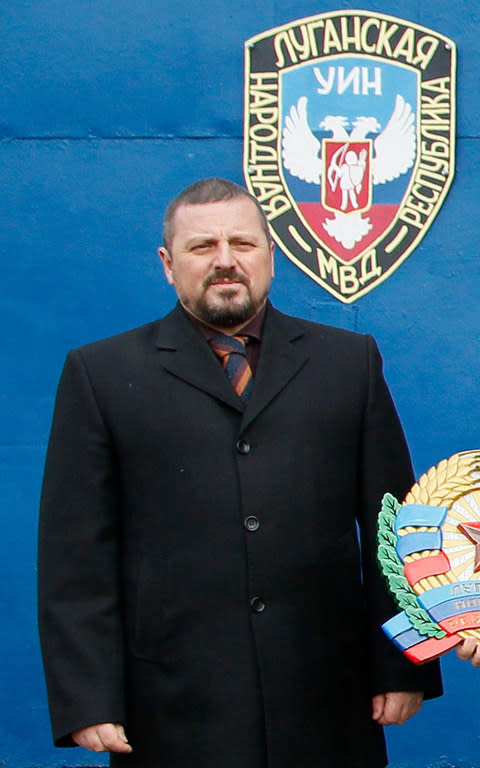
[238,211]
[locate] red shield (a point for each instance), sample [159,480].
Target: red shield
[346,177]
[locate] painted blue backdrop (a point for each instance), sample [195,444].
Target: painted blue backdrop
[109,108]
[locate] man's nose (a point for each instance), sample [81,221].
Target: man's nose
[224,255]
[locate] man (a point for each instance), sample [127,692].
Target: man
[201,584]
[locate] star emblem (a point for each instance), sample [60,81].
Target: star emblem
[472,532]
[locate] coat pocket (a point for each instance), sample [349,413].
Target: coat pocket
[151,608]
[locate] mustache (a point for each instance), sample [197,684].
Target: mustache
[228,273]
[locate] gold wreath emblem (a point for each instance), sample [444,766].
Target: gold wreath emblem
[453,483]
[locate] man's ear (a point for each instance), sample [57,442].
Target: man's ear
[166,260]
[272,251]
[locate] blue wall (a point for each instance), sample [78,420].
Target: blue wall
[108,109]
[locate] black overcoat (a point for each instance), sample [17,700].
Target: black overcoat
[200,574]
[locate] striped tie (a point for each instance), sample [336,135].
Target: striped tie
[231,351]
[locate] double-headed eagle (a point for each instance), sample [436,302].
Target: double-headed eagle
[394,153]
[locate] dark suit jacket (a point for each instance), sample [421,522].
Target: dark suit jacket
[200,573]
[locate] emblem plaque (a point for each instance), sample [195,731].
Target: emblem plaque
[429,553]
[349,141]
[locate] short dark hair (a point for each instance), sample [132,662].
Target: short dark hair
[211,190]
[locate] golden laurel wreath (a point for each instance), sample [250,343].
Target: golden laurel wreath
[456,479]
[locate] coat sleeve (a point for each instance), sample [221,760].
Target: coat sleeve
[386,467]
[80,612]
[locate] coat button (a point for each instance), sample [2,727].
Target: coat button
[243,446]
[251,523]
[257,605]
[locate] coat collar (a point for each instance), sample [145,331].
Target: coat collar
[187,355]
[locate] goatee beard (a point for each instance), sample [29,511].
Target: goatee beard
[225,316]
[225,313]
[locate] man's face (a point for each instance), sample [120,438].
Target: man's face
[220,262]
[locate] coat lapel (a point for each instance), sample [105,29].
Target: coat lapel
[280,360]
[186,354]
